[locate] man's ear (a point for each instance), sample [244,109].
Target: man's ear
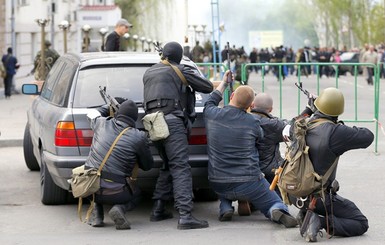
[271,109]
[232,95]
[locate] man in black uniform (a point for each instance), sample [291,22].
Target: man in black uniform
[132,147]
[326,142]
[113,39]
[164,91]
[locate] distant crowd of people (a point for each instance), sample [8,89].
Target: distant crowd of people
[238,56]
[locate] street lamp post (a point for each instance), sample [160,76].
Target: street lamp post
[135,37]
[102,32]
[64,25]
[127,37]
[86,29]
[149,40]
[42,70]
[142,39]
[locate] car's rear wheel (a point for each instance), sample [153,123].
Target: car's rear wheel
[51,194]
[29,157]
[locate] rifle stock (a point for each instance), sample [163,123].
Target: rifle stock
[276,178]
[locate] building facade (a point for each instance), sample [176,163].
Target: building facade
[20,30]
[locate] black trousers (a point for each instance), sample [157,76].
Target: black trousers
[345,219]
[8,85]
[175,178]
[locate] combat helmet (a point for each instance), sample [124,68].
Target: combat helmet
[330,102]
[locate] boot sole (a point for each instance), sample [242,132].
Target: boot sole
[121,223]
[244,208]
[226,216]
[191,226]
[285,219]
[157,218]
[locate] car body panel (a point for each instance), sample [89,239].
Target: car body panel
[71,90]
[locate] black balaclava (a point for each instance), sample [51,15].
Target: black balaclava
[173,51]
[127,113]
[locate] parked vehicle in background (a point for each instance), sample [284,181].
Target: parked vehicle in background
[58,136]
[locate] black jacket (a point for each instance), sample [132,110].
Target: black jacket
[112,42]
[164,90]
[268,147]
[132,147]
[329,141]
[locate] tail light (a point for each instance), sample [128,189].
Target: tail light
[198,136]
[67,135]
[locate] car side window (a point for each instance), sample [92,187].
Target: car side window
[58,84]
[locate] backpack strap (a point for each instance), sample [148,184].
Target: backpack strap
[177,71]
[92,204]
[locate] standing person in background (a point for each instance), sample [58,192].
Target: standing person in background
[11,65]
[113,39]
[370,56]
[51,56]
[253,57]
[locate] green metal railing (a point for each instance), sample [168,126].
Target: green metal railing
[355,70]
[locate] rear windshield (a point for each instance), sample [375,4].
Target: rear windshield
[121,81]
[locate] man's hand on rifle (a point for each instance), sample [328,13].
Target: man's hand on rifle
[225,81]
[310,102]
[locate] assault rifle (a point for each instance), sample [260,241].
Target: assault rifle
[230,76]
[111,101]
[302,89]
[158,48]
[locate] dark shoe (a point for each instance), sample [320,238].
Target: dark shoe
[187,221]
[284,218]
[313,228]
[226,216]
[97,216]
[117,214]
[158,212]
[244,208]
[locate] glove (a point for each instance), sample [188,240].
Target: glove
[310,103]
[93,114]
[286,132]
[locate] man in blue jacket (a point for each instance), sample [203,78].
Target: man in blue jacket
[234,171]
[11,65]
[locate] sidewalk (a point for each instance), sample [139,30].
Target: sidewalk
[13,115]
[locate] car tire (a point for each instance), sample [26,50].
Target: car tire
[205,195]
[50,193]
[29,157]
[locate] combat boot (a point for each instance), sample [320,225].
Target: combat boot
[158,212]
[313,228]
[117,214]
[187,221]
[282,217]
[97,216]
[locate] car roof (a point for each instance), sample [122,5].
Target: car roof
[105,58]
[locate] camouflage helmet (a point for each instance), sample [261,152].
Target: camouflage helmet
[47,43]
[330,102]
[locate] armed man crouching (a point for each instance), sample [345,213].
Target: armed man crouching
[234,171]
[132,148]
[337,215]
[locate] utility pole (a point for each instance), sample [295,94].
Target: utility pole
[13,33]
[42,68]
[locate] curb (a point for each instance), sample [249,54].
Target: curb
[11,143]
